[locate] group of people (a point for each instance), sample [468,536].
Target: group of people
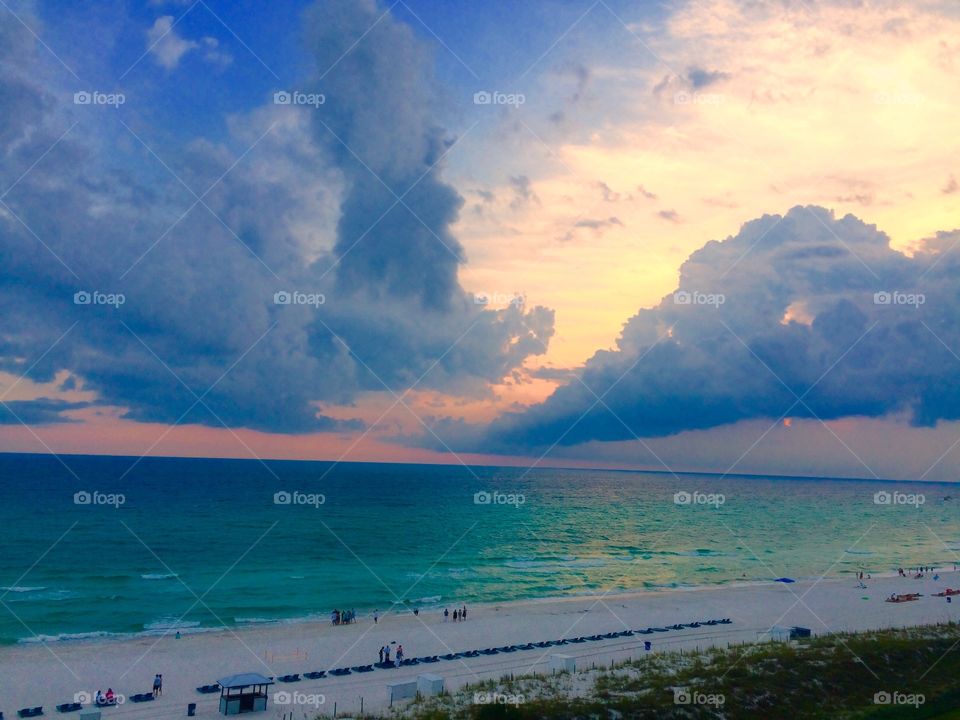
[917,572]
[343,617]
[385,654]
[458,614]
[109,699]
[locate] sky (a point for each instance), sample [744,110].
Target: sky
[681,236]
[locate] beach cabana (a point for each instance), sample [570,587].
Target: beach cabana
[246,692]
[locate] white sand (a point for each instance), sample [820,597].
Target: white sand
[35,674]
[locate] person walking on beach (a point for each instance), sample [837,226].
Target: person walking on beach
[381,654]
[376,617]
[446,614]
[456,614]
[157,685]
[399,653]
[463,613]
[386,653]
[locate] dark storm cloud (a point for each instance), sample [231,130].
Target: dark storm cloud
[786,309]
[42,411]
[344,201]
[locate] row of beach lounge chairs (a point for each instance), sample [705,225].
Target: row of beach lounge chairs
[429,659]
[75,706]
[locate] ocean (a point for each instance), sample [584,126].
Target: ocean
[106,546]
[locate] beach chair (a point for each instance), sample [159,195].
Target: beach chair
[340,671]
[315,675]
[289,678]
[449,656]
[489,651]
[30,712]
[208,689]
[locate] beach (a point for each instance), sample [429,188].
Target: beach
[49,674]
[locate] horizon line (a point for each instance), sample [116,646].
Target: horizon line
[713,473]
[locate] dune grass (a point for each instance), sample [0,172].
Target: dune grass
[833,676]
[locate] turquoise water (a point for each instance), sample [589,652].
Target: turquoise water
[198,544]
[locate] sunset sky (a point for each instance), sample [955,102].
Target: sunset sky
[713,235]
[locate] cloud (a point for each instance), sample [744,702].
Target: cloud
[609,195]
[288,208]
[165,45]
[646,193]
[670,215]
[951,187]
[40,411]
[700,78]
[168,47]
[595,224]
[724,348]
[523,193]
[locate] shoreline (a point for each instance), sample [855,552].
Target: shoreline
[322,618]
[51,673]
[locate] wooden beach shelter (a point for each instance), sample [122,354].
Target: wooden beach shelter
[246,692]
